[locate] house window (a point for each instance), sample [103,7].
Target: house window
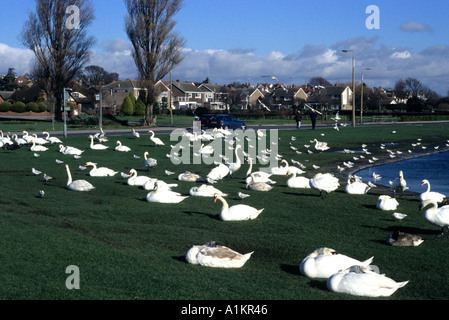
[197,95]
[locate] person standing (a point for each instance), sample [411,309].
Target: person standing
[313,118]
[298,118]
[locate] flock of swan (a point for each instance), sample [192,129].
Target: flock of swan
[344,274]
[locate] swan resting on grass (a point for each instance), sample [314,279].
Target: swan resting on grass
[236,212]
[163,195]
[438,216]
[360,281]
[324,262]
[215,255]
[438,197]
[386,203]
[77,185]
[101,171]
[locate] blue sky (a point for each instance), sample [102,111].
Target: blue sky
[293,40]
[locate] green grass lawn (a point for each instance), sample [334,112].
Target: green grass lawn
[128,248]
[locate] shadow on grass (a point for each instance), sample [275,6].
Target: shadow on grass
[291,269]
[212,216]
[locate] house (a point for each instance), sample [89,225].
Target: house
[287,97]
[30,94]
[249,98]
[186,95]
[5,95]
[333,98]
[114,93]
[215,96]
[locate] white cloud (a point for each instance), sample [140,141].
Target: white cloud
[19,59]
[413,26]
[401,55]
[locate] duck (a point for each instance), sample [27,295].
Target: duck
[157,141]
[149,162]
[235,166]
[324,182]
[217,173]
[101,171]
[399,184]
[190,177]
[356,187]
[438,197]
[386,203]
[401,239]
[136,180]
[215,255]
[162,195]
[38,148]
[321,146]
[206,191]
[77,185]
[360,281]
[121,147]
[51,139]
[324,262]
[257,175]
[438,216]
[236,212]
[97,146]
[300,182]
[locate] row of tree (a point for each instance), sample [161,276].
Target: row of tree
[62,50]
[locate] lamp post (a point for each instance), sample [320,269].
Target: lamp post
[361,97]
[353,86]
[64,108]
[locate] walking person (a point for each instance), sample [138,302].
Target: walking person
[313,118]
[298,118]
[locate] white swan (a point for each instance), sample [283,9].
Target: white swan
[235,166]
[258,185]
[324,183]
[162,185]
[258,176]
[438,197]
[27,137]
[70,150]
[386,203]
[39,140]
[51,139]
[135,133]
[121,147]
[190,177]
[236,212]
[77,185]
[300,182]
[97,146]
[205,191]
[101,171]
[19,141]
[38,148]
[356,187]
[281,170]
[156,140]
[324,262]
[164,196]
[136,180]
[206,149]
[401,239]
[360,281]
[438,216]
[149,162]
[217,173]
[215,255]
[399,184]
[321,146]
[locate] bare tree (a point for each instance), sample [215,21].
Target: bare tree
[56,33]
[414,86]
[156,47]
[319,81]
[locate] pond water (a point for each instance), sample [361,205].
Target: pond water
[434,168]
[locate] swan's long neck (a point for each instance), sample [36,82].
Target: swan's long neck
[91,141]
[250,166]
[285,162]
[69,175]
[237,155]
[428,186]
[225,204]
[152,134]
[47,134]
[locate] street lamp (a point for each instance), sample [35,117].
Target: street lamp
[353,86]
[361,97]
[64,108]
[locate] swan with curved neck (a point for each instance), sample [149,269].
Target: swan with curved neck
[438,197]
[51,139]
[97,146]
[236,212]
[234,166]
[77,185]
[101,171]
[438,216]
[156,140]
[257,175]
[121,147]
[297,182]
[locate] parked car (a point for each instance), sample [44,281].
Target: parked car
[205,119]
[226,121]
